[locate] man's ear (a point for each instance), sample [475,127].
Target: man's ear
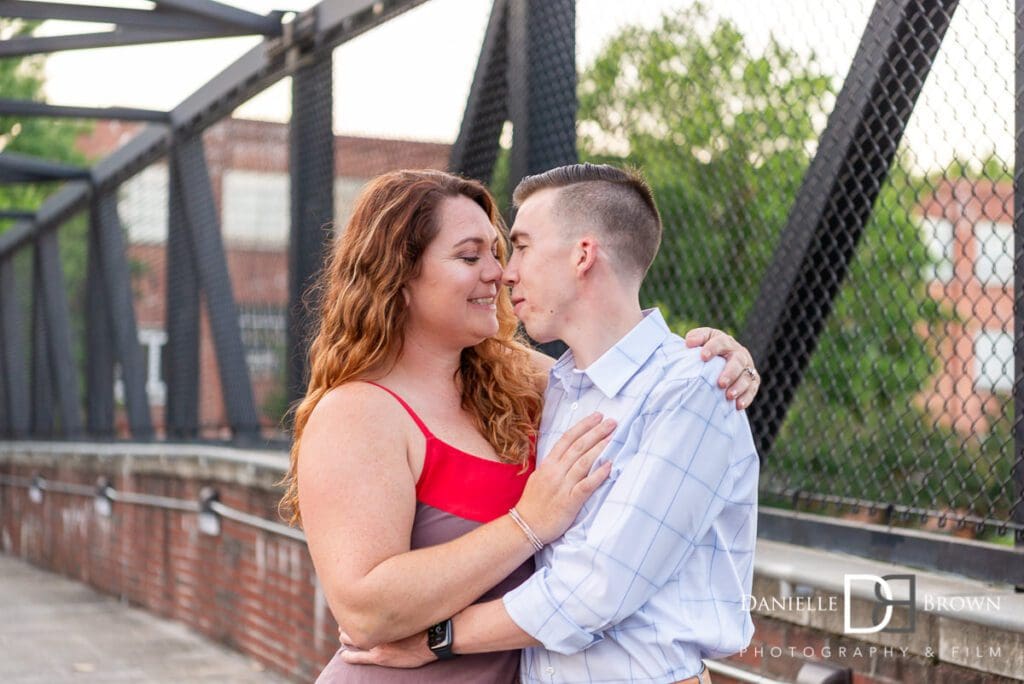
[585,255]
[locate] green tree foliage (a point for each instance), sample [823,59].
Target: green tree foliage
[725,137]
[46,138]
[22,79]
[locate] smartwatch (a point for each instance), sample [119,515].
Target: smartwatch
[440,638]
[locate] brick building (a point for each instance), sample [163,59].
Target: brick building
[248,165]
[968,228]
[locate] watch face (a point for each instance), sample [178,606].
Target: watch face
[438,636]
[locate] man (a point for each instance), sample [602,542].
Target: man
[651,577]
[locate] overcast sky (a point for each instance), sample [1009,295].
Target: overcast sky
[410,77]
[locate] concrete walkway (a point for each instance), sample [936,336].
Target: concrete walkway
[55,630]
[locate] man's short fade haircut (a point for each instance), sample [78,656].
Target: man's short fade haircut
[618,202]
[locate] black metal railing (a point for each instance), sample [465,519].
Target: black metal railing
[104,495]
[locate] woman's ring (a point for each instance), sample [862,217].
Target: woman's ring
[749,370]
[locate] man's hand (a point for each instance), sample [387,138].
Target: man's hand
[406,653]
[742,384]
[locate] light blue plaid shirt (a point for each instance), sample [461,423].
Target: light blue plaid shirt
[651,577]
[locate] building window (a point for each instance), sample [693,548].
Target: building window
[142,206]
[256,209]
[938,239]
[994,262]
[993,361]
[152,341]
[346,190]
[264,335]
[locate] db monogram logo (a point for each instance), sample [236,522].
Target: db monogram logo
[884,603]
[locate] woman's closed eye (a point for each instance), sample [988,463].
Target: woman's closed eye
[473,258]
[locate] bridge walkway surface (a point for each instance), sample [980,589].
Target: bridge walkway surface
[55,630]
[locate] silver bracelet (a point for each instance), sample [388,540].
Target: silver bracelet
[534,539]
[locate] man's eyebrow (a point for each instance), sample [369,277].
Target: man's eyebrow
[518,235]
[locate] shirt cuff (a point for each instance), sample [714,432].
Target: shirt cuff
[531,606]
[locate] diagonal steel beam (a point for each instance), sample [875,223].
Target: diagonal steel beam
[181,354]
[99,343]
[14,377]
[311,162]
[250,22]
[117,288]
[57,322]
[10,107]
[41,383]
[17,214]
[119,37]
[212,270]
[542,85]
[476,149]
[334,22]
[154,18]
[835,201]
[20,168]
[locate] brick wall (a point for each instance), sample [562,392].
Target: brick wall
[257,592]
[254,591]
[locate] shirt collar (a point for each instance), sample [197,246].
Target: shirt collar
[620,363]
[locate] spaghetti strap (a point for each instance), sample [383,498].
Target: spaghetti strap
[412,414]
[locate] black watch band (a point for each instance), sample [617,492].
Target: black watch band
[440,638]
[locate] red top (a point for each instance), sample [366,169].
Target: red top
[463,484]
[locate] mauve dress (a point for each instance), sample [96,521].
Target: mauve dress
[456,493]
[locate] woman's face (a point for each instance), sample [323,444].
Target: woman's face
[453,299]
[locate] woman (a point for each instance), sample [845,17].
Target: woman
[415,437]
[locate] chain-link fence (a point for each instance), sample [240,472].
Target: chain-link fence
[836,184]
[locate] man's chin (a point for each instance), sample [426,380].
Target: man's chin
[539,336]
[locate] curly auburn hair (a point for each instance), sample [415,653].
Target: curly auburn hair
[361,315]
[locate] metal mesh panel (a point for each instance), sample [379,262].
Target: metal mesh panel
[878,296]
[906,405]
[904,408]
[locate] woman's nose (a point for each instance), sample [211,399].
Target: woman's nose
[492,272]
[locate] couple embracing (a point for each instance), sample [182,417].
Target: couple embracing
[478,512]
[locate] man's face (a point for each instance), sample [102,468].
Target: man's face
[540,271]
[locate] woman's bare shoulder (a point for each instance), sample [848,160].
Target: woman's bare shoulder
[357,412]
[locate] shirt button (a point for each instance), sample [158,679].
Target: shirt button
[575,405]
[549,670]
